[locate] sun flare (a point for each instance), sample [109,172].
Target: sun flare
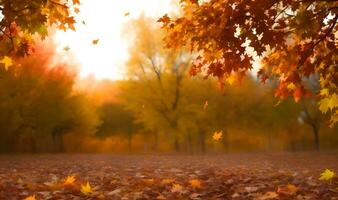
[104,21]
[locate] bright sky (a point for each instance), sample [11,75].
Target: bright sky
[104,20]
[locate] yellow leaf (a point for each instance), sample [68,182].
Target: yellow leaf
[126,14]
[176,188]
[231,80]
[30,198]
[291,86]
[167,181]
[326,175]
[195,183]
[86,189]
[217,136]
[328,103]
[324,92]
[7,61]
[69,180]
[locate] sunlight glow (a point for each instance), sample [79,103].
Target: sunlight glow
[105,21]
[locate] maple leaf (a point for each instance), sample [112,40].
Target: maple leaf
[326,175]
[165,19]
[7,61]
[76,2]
[195,183]
[176,188]
[217,136]
[206,104]
[69,180]
[30,198]
[95,42]
[86,189]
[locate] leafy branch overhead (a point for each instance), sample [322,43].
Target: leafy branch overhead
[294,41]
[23,19]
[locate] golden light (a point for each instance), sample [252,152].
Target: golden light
[104,20]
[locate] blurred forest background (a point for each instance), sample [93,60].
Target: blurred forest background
[158,107]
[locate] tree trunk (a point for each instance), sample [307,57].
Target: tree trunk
[176,144]
[129,142]
[315,131]
[189,143]
[202,141]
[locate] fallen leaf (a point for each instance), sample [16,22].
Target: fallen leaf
[176,188]
[86,189]
[288,189]
[195,183]
[167,181]
[30,198]
[268,195]
[69,180]
[326,175]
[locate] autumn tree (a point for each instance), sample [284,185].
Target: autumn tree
[157,74]
[116,119]
[293,40]
[39,105]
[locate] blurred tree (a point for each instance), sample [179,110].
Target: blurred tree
[38,103]
[156,79]
[116,120]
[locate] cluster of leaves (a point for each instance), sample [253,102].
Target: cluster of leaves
[294,40]
[262,177]
[22,19]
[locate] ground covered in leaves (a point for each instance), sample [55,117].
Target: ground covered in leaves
[231,176]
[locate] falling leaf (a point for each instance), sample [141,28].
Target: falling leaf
[176,188]
[195,183]
[126,14]
[217,136]
[86,189]
[206,104]
[83,22]
[30,198]
[288,189]
[76,10]
[95,42]
[7,61]
[66,48]
[69,180]
[326,175]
